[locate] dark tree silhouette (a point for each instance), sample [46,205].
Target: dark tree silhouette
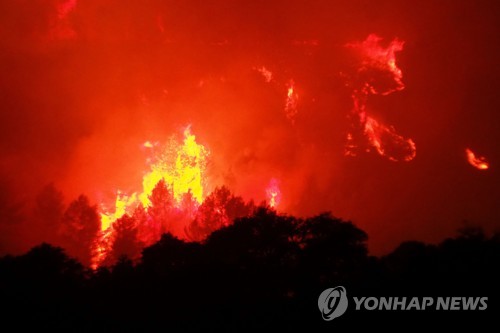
[160,211]
[168,254]
[265,269]
[331,248]
[125,239]
[80,227]
[43,286]
[262,237]
[220,208]
[412,261]
[45,261]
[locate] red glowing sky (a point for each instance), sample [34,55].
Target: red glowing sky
[85,83]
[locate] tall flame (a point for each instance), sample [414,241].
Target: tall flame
[478,162]
[181,166]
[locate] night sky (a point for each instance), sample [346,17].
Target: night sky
[84,84]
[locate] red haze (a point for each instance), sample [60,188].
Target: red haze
[263,84]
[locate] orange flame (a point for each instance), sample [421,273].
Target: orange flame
[291,101]
[378,74]
[377,132]
[478,162]
[102,245]
[273,193]
[180,165]
[383,59]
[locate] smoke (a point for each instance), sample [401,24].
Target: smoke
[85,83]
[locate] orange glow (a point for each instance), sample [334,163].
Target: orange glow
[102,245]
[267,74]
[149,144]
[291,101]
[478,162]
[273,193]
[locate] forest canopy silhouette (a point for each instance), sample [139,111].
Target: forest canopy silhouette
[262,268]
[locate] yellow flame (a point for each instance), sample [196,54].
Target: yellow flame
[148,144]
[122,202]
[181,166]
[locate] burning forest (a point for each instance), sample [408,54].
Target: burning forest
[130,127]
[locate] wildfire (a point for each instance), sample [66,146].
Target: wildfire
[382,59]
[181,166]
[172,200]
[273,193]
[378,74]
[291,101]
[478,162]
[378,133]
[102,244]
[122,203]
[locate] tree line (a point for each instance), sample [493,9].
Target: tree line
[262,269]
